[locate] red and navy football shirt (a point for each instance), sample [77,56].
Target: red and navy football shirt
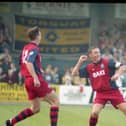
[30,53]
[100,74]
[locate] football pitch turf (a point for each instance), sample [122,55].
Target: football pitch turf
[68,115]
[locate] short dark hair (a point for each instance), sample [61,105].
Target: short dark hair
[91,48]
[33,32]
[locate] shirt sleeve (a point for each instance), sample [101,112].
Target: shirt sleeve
[32,55]
[83,72]
[113,64]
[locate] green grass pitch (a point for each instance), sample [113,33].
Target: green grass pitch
[68,116]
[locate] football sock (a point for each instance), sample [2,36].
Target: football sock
[54,115]
[21,116]
[93,121]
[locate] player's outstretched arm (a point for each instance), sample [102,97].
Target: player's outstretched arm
[119,72]
[76,68]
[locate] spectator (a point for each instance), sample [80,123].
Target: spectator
[7,54]
[79,81]
[107,54]
[67,78]
[2,25]
[5,39]
[55,75]
[123,78]
[1,42]
[12,74]
[48,74]
[6,64]
[20,79]
[2,75]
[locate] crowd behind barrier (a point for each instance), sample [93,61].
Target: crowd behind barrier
[111,41]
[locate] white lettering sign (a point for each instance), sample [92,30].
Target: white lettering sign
[98,73]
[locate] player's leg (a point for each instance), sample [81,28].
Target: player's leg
[118,101]
[122,107]
[95,114]
[53,100]
[35,108]
[99,103]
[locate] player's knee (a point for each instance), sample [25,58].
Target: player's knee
[122,107]
[35,110]
[56,102]
[94,114]
[123,110]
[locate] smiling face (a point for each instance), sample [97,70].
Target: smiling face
[95,55]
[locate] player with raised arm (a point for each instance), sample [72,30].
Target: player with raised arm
[102,74]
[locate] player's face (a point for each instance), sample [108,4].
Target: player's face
[95,55]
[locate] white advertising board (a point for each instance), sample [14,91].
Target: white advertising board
[75,95]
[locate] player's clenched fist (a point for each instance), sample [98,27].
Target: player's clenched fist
[75,70]
[82,58]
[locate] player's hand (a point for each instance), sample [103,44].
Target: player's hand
[115,77]
[36,82]
[83,58]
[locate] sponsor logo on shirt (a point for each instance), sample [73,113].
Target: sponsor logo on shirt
[98,73]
